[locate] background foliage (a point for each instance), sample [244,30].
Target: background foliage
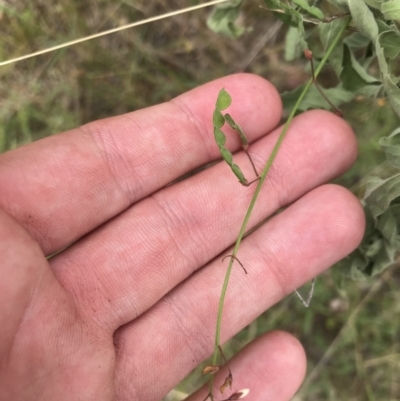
[350,333]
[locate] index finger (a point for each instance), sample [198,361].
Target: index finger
[62,187]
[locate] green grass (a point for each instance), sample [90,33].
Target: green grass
[357,340]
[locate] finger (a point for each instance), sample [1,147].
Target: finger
[295,245]
[62,187]
[121,270]
[272,367]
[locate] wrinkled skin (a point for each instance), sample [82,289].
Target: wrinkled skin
[129,308]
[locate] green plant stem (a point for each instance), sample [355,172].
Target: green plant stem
[255,196]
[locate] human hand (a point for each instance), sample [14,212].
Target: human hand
[127,310]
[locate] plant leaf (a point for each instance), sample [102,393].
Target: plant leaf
[390,41]
[391,146]
[391,10]
[327,32]
[357,41]
[340,4]
[223,19]
[291,17]
[224,100]
[292,42]
[238,129]
[298,21]
[374,3]
[353,75]
[220,137]
[388,79]
[363,19]
[374,254]
[314,100]
[380,193]
[314,11]
[388,225]
[218,119]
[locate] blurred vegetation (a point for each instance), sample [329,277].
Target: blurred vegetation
[351,335]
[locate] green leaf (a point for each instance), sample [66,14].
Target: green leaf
[383,26]
[353,75]
[340,4]
[327,32]
[292,42]
[227,156]
[314,100]
[314,11]
[291,17]
[391,10]
[388,79]
[236,170]
[223,19]
[380,193]
[391,146]
[298,21]
[357,41]
[388,225]
[363,19]
[218,119]
[220,138]
[374,254]
[238,129]
[374,3]
[369,91]
[224,100]
[390,41]
[277,5]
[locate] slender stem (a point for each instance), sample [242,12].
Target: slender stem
[255,196]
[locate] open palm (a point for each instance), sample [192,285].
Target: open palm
[129,307]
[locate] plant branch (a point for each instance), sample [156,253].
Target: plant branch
[255,196]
